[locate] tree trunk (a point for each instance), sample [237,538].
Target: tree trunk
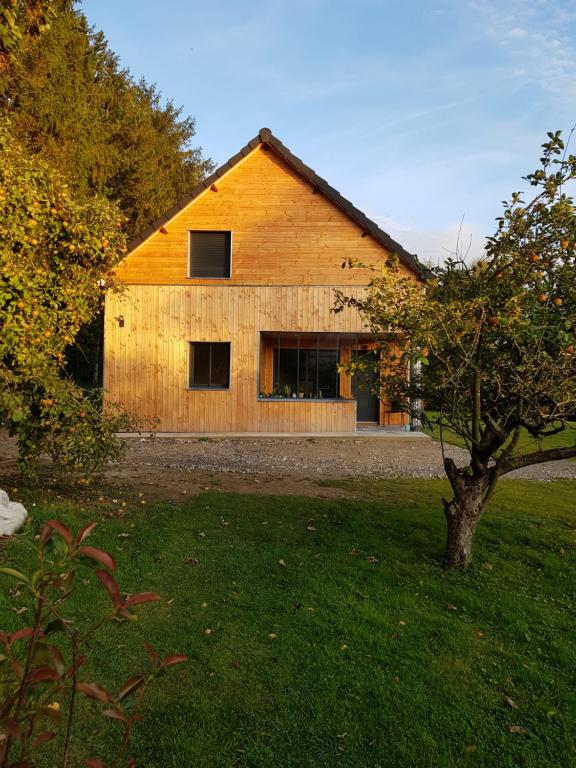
[462,516]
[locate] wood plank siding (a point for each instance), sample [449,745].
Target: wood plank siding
[146,366]
[283,233]
[288,245]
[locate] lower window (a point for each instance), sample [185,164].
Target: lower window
[209,365]
[311,372]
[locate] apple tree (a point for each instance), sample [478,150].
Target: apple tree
[498,338]
[56,256]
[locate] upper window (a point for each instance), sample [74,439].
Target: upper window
[209,365]
[209,254]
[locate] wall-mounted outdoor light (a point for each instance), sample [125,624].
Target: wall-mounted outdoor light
[120,319]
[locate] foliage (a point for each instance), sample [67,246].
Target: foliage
[56,256]
[38,677]
[526,443]
[20,19]
[69,99]
[501,336]
[430,654]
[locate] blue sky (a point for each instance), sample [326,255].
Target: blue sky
[420,113]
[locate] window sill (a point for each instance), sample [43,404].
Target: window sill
[207,389]
[306,399]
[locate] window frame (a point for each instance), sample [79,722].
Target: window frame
[190,276]
[269,338]
[209,386]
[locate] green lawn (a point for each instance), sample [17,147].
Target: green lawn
[371,665]
[526,444]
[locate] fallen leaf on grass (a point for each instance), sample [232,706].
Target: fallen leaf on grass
[373,559]
[518,729]
[202,534]
[469,748]
[310,528]
[191,561]
[510,702]
[479,633]
[281,563]
[452,607]
[272,636]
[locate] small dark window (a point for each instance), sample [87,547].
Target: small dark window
[209,364]
[209,254]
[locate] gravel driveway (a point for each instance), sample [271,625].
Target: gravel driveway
[315,458]
[157,469]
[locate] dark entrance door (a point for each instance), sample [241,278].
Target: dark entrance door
[363,385]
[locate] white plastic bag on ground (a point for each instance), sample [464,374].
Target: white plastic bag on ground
[12,514]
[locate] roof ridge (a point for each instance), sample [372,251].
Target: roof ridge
[265,136]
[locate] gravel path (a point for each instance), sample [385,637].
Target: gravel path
[315,458]
[168,468]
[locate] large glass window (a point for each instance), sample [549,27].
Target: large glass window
[301,365]
[209,365]
[306,372]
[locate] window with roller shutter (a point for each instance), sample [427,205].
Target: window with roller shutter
[209,254]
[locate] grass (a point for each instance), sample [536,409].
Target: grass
[371,665]
[526,443]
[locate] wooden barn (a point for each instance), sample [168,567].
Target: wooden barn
[226,323]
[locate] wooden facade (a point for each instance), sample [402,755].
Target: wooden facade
[289,240]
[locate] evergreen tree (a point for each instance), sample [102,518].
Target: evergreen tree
[69,100]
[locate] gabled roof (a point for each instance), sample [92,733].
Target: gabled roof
[266,137]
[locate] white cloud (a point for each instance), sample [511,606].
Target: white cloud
[434,246]
[539,39]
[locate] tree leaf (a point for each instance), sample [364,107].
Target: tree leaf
[114,714]
[151,651]
[20,635]
[14,574]
[40,674]
[111,587]
[177,658]
[61,529]
[43,738]
[57,625]
[94,691]
[85,532]
[99,556]
[130,686]
[142,597]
